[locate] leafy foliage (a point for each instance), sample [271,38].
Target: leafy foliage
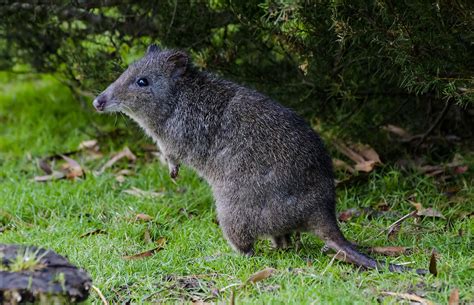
[386,60]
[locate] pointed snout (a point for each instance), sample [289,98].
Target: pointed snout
[100,102]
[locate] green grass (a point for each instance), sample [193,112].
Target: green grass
[38,118]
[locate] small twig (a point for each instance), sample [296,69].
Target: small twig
[408,296]
[172,18]
[438,120]
[397,222]
[101,296]
[230,286]
[332,261]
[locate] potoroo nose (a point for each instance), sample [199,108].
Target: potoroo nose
[100,102]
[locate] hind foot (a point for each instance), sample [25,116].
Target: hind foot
[281,242]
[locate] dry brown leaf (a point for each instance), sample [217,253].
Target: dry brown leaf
[348,214]
[460,169]
[93,232]
[341,165]
[200,302]
[433,268]
[348,152]
[389,250]
[89,145]
[261,275]
[44,165]
[430,212]
[366,166]
[134,191]
[402,133]
[418,206]
[365,157]
[232,297]
[56,175]
[408,296]
[125,153]
[393,231]
[431,170]
[125,172]
[143,217]
[72,168]
[161,244]
[143,254]
[454,297]
[367,152]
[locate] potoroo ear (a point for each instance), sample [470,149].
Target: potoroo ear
[176,64]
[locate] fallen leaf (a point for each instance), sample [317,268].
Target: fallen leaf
[340,165]
[451,191]
[430,212]
[368,153]
[408,296]
[348,152]
[125,153]
[93,232]
[261,275]
[366,166]
[232,297]
[121,174]
[160,242]
[125,172]
[143,254]
[56,175]
[460,169]
[433,269]
[365,157]
[200,302]
[348,214]
[72,168]
[402,133]
[417,205]
[89,145]
[91,148]
[431,170]
[43,164]
[454,297]
[393,231]
[143,217]
[389,250]
[383,206]
[134,191]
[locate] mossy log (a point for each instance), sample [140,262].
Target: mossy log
[34,275]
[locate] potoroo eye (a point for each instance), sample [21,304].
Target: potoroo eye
[142,82]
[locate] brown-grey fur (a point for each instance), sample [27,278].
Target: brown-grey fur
[269,171]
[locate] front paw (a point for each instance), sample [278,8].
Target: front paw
[174,171]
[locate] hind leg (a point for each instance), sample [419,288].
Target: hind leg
[281,241]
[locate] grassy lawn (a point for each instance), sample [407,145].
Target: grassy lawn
[38,118]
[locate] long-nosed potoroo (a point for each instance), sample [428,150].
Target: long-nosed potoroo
[268,170]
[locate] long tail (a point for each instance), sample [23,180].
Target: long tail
[340,244]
